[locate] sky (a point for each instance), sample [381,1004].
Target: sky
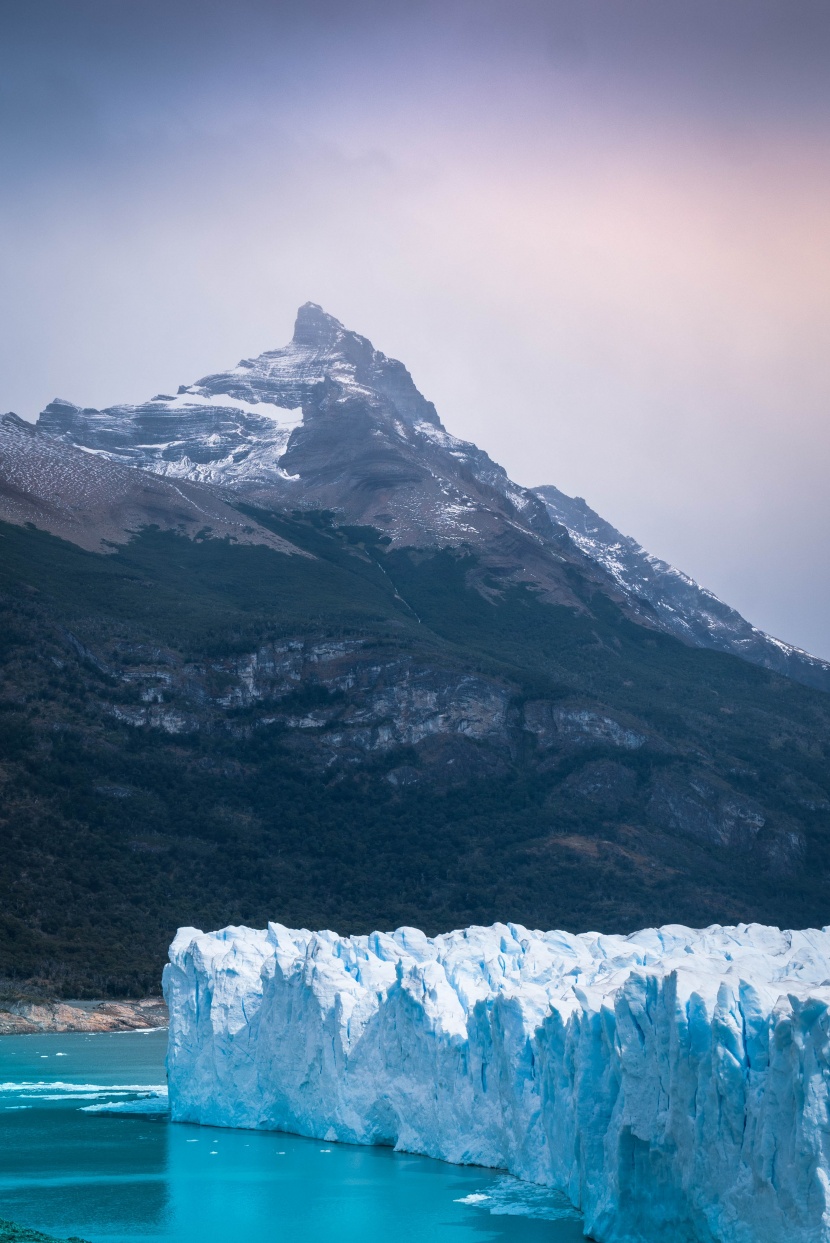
[596,231]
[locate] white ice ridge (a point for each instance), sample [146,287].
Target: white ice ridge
[672,1083]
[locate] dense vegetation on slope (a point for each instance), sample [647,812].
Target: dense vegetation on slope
[628,779]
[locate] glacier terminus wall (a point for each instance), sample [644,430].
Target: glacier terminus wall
[673,1083]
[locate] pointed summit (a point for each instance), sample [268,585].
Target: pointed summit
[315,328]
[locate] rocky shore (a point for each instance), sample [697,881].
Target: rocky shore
[23,1017]
[10,1232]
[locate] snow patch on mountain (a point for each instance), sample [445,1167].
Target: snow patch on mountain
[191,398]
[671,1083]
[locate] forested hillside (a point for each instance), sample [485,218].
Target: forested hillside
[202,732]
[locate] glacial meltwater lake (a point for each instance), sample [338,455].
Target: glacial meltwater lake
[68,1166]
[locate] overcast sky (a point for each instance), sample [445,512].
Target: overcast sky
[596,231]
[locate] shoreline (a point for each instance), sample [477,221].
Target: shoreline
[11,1232]
[24,1018]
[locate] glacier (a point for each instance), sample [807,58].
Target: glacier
[672,1083]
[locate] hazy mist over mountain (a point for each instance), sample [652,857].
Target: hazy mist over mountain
[596,232]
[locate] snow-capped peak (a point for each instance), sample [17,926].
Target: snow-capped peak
[329,422]
[228,427]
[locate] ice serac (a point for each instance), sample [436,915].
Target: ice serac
[672,1083]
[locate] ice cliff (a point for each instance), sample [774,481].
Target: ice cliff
[672,1083]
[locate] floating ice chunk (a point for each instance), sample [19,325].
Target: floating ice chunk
[60,1086]
[156,1104]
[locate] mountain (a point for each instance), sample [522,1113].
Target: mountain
[330,423]
[347,674]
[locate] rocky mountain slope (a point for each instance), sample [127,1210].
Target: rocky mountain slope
[329,422]
[27,1018]
[98,504]
[679,605]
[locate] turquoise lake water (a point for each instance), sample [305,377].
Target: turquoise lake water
[69,1166]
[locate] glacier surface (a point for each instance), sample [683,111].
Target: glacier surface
[673,1083]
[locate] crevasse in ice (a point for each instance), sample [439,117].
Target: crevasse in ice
[672,1083]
